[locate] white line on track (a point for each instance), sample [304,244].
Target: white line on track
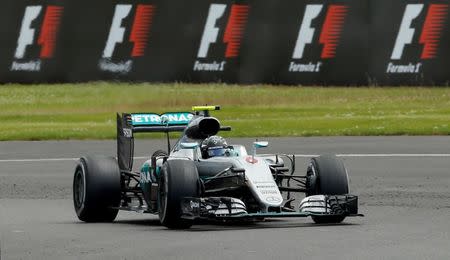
[54,159]
[381,155]
[396,155]
[297,155]
[39,160]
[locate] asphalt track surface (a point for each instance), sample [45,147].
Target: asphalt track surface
[403,184]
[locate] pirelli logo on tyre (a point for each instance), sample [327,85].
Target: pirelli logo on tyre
[319,36]
[37,38]
[129,35]
[222,36]
[418,37]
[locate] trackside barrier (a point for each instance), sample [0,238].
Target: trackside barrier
[346,42]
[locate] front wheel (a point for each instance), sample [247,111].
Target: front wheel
[327,175]
[178,179]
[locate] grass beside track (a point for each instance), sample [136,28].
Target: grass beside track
[87,111]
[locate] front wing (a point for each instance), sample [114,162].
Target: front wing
[226,208]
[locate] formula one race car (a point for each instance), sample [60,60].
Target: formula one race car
[202,177]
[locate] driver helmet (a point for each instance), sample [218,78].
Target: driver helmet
[214,146]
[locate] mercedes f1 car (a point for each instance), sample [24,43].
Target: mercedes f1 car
[202,177]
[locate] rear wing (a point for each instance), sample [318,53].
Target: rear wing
[128,124]
[151,122]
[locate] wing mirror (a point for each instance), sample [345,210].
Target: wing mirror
[188,145]
[260,144]
[256,145]
[191,146]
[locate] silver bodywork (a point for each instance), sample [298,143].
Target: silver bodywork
[258,175]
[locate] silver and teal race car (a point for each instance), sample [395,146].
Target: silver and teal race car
[202,177]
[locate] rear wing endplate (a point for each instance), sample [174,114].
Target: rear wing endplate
[128,124]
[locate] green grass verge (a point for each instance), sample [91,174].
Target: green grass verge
[87,111]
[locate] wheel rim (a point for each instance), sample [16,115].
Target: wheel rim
[79,191]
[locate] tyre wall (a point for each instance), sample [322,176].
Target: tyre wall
[347,42]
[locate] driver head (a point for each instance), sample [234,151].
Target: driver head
[214,146]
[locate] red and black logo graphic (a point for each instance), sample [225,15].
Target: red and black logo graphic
[311,35]
[432,30]
[34,40]
[139,34]
[331,30]
[235,30]
[232,36]
[408,35]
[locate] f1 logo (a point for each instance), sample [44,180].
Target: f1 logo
[431,32]
[48,31]
[139,32]
[234,30]
[330,33]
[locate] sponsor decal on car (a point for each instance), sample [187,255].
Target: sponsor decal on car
[145,174]
[232,36]
[265,186]
[429,36]
[267,189]
[139,35]
[127,132]
[273,199]
[39,27]
[164,119]
[268,192]
[194,204]
[251,159]
[328,36]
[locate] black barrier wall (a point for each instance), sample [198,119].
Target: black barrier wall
[319,42]
[409,44]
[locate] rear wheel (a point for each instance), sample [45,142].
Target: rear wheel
[159,153]
[96,189]
[179,179]
[327,176]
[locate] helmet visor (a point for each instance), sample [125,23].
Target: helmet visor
[216,151]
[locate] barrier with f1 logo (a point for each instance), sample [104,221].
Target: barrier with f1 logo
[410,45]
[30,47]
[219,48]
[298,42]
[307,42]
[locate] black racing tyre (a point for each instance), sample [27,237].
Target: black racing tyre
[96,189]
[327,176]
[159,153]
[179,179]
